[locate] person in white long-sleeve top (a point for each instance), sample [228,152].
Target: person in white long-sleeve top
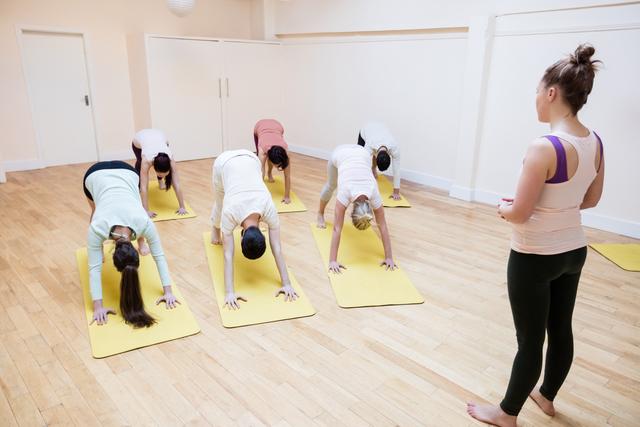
[384,150]
[151,149]
[117,213]
[241,199]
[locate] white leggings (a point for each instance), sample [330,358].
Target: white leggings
[331,184]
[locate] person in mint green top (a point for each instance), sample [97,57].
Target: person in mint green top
[112,190]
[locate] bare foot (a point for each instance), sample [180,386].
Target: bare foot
[490,414]
[270,178]
[545,404]
[321,223]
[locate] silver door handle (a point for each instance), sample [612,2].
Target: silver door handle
[227,87]
[219,87]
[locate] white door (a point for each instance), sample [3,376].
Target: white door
[252,90]
[185,88]
[56,72]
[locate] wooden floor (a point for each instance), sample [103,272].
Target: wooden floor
[403,365]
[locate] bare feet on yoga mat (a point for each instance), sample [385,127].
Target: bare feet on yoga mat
[545,404]
[321,223]
[491,414]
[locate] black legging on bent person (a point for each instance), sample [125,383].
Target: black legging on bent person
[138,153]
[360,140]
[113,164]
[542,293]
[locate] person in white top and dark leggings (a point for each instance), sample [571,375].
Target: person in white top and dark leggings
[242,199]
[562,174]
[112,192]
[349,169]
[151,148]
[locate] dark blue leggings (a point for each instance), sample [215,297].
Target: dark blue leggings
[542,293]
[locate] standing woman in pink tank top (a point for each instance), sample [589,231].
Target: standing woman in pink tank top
[562,174]
[271,148]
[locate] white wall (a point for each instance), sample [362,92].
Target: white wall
[492,106]
[326,16]
[524,46]
[107,25]
[412,84]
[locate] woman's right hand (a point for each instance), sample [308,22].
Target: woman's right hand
[321,223]
[335,266]
[231,300]
[100,315]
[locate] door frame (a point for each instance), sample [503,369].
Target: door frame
[20,30]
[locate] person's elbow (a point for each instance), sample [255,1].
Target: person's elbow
[590,202]
[520,216]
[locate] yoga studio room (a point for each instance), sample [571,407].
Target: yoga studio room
[298,213]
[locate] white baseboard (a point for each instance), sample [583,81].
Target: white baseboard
[426,179]
[460,192]
[22,165]
[409,175]
[613,225]
[308,151]
[116,155]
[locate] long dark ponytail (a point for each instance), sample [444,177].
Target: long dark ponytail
[162,163]
[126,260]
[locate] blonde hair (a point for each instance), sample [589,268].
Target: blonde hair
[361,216]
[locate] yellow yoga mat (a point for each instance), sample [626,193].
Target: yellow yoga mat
[277,193]
[624,255]
[165,203]
[364,283]
[257,281]
[116,336]
[386,189]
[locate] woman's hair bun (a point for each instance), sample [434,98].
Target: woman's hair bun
[583,54]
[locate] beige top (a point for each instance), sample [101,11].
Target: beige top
[555,225]
[240,191]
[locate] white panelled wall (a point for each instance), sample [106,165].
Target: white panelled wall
[462,105]
[411,84]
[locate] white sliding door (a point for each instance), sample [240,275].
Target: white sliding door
[185,89]
[56,72]
[252,89]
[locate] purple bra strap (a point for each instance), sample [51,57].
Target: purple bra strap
[601,151]
[561,164]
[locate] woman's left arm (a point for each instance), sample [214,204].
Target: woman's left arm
[175,181]
[287,185]
[386,239]
[534,175]
[153,239]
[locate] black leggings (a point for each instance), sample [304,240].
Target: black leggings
[138,153]
[542,293]
[360,140]
[114,164]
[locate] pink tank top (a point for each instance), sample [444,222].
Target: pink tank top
[555,225]
[269,132]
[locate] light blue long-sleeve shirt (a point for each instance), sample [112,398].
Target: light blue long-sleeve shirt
[116,195]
